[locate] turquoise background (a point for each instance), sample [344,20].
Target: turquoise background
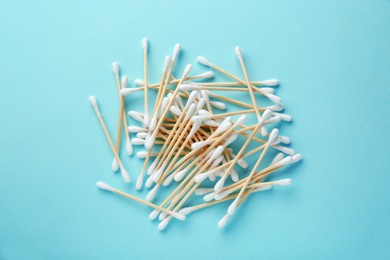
[333,61]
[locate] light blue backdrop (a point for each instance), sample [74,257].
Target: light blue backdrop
[332,57]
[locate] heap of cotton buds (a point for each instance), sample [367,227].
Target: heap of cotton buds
[188,142]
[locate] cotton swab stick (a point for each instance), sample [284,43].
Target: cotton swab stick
[95,106]
[104,186]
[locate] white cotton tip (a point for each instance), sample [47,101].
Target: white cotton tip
[104,186]
[209,197]
[266,114]
[164,103]
[276,107]
[142,155]
[234,175]
[217,161]
[136,129]
[225,125]
[211,122]
[265,187]
[175,110]
[142,135]
[268,90]
[273,135]
[150,141]
[263,131]
[297,157]
[139,182]
[179,101]
[239,53]
[285,161]
[201,177]
[270,82]
[223,221]
[277,158]
[187,210]
[94,104]
[191,98]
[114,165]
[153,215]
[285,117]
[128,91]
[219,105]
[115,69]
[222,195]
[203,112]
[232,208]
[199,145]
[241,120]
[188,87]
[163,224]
[152,193]
[139,82]
[285,150]
[219,185]
[138,141]
[204,61]
[186,71]
[145,44]
[202,191]
[159,172]
[146,119]
[274,98]
[166,63]
[284,139]
[178,215]
[242,163]
[153,123]
[231,139]
[149,181]
[283,182]
[205,95]
[218,151]
[152,167]
[206,75]
[168,180]
[176,51]
[136,116]
[129,147]
[179,175]
[162,216]
[125,174]
[273,120]
[199,119]
[124,81]
[212,177]
[191,111]
[194,128]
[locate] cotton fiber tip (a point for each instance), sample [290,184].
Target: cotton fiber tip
[125,174]
[136,129]
[146,119]
[194,128]
[231,139]
[274,98]
[219,185]
[276,107]
[263,131]
[179,101]
[209,197]
[139,82]
[242,163]
[239,53]
[163,224]
[205,95]
[202,191]
[225,125]
[164,103]
[268,90]
[206,75]
[265,187]
[219,105]
[138,184]
[283,182]
[150,141]
[190,111]
[284,139]
[277,158]
[217,152]
[187,70]
[162,216]
[273,120]
[104,186]
[114,165]
[204,61]
[149,181]
[201,177]
[285,150]
[297,157]
[136,116]
[94,104]
[189,87]
[159,172]
[270,82]
[273,135]
[232,208]
[128,91]
[129,147]
[223,221]
[153,215]
[168,180]
[152,193]
[203,112]
[241,120]
[142,154]
[198,145]
[152,167]
[212,177]
[211,122]
[138,141]
[145,44]
[175,110]
[176,51]
[187,210]
[115,68]
[191,98]
[179,175]
[199,119]
[166,63]
[124,81]
[153,123]
[285,161]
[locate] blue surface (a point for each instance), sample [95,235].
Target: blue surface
[332,57]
